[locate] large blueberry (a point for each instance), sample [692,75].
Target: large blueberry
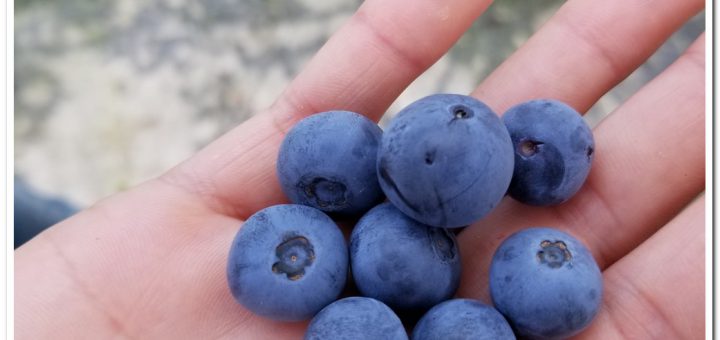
[405,264]
[287,262]
[553,151]
[356,318]
[546,283]
[327,161]
[462,319]
[446,160]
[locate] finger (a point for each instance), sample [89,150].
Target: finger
[236,175]
[584,50]
[649,163]
[658,290]
[362,68]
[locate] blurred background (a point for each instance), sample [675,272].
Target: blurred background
[111,93]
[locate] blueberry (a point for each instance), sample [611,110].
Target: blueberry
[462,319]
[554,149]
[287,262]
[327,161]
[405,264]
[445,160]
[546,283]
[356,318]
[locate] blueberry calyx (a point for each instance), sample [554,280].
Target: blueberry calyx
[529,147]
[325,192]
[553,254]
[294,255]
[461,112]
[442,243]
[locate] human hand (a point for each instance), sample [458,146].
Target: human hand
[150,262]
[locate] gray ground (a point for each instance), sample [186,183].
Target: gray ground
[110,93]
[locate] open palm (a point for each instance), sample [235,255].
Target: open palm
[150,262]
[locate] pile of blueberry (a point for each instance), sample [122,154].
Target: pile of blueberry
[444,162]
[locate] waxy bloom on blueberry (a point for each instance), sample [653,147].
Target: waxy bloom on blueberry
[554,149]
[327,161]
[446,160]
[287,262]
[546,283]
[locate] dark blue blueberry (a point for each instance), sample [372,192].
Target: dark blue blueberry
[462,319]
[327,161]
[35,212]
[446,160]
[405,264]
[287,262]
[356,318]
[546,283]
[554,149]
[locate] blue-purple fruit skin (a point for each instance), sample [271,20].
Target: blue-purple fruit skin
[287,262]
[401,262]
[445,160]
[554,149]
[462,319]
[327,161]
[356,318]
[546,283]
